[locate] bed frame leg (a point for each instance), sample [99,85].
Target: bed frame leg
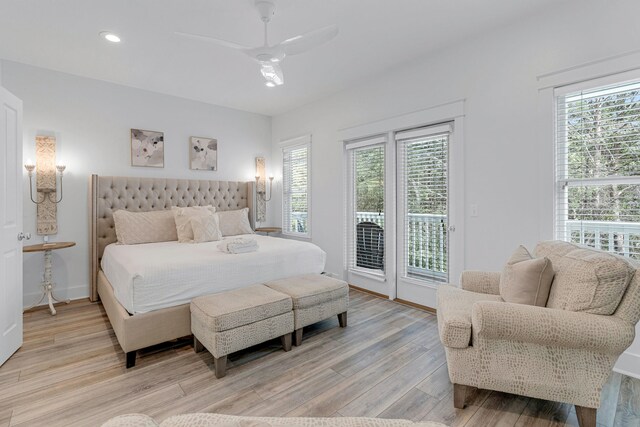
[342,319]
[131,359]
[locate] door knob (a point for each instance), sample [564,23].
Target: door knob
[23,236]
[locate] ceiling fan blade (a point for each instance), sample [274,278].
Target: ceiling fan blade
[213,40]
[272,72]
[307,41]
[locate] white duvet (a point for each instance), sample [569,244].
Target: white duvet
[152,276]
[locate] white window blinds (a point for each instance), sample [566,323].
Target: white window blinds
[423,156]
[366,169]
[296,189]
[598,167]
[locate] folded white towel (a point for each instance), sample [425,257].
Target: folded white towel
[238,246]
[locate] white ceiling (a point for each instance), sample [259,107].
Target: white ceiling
[375,35]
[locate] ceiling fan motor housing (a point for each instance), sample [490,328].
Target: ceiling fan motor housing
[266,9]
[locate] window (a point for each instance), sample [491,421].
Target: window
[366,169]
[296,187]
[598,166]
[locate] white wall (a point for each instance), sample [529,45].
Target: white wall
[91,121]
[496,75]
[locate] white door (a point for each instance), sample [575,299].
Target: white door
[366,261]
[424,212]
[10,224]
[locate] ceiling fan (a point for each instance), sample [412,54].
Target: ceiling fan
[270,57]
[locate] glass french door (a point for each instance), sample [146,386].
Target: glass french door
[423,227]
[366,260]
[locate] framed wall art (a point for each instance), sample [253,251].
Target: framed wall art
[203,154]
[147,148]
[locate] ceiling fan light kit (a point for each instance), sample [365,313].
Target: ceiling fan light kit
[270,57]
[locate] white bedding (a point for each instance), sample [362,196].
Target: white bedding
[152,276]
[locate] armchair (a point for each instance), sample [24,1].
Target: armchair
[542,352]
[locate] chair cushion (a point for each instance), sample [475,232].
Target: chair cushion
[526,280]
[454,314]
[311,289]
[239,307]
[586,279]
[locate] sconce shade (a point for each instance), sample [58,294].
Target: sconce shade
[47,213]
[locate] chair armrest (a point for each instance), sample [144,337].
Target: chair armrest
[484,282]
[550,327]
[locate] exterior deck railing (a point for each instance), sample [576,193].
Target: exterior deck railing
[427,241]
[622,238]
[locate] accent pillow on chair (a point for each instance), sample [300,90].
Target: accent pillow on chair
[526,280]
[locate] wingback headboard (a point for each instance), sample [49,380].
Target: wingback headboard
[110,193]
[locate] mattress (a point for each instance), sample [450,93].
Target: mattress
[153,276]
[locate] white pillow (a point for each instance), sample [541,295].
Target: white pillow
[182,217]
[206,228]
[133,228]
[235,222]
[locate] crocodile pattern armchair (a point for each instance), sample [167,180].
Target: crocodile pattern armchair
[562,352]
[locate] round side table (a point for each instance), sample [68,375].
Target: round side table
[269,230]
[47,284]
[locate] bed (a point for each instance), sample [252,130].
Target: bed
[148,301]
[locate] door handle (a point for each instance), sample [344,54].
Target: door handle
[23,236]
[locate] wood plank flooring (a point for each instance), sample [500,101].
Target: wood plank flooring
[387,363]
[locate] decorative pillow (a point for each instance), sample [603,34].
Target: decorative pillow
[182,217]
[133,228]
[589,280]
[235,222]
[526,280]
[206,228]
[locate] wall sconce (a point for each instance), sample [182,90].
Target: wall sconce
[263,193]
[46,191]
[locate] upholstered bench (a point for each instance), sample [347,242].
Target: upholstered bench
[315,297]
[231,321]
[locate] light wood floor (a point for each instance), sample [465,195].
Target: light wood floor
[387,363]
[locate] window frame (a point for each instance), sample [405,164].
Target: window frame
[561,184]
[287,146]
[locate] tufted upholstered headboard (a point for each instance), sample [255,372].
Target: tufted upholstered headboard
[110,193]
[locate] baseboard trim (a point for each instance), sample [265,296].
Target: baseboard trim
[397,300]
[70,293]
[45,306]
[414,305]
[367,291]
[628,364]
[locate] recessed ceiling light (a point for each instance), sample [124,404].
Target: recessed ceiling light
[270,84]
[110,37]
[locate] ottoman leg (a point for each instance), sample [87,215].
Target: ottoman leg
[286,342]
[297,337]
[197,345]
[342,319]
[220,364]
